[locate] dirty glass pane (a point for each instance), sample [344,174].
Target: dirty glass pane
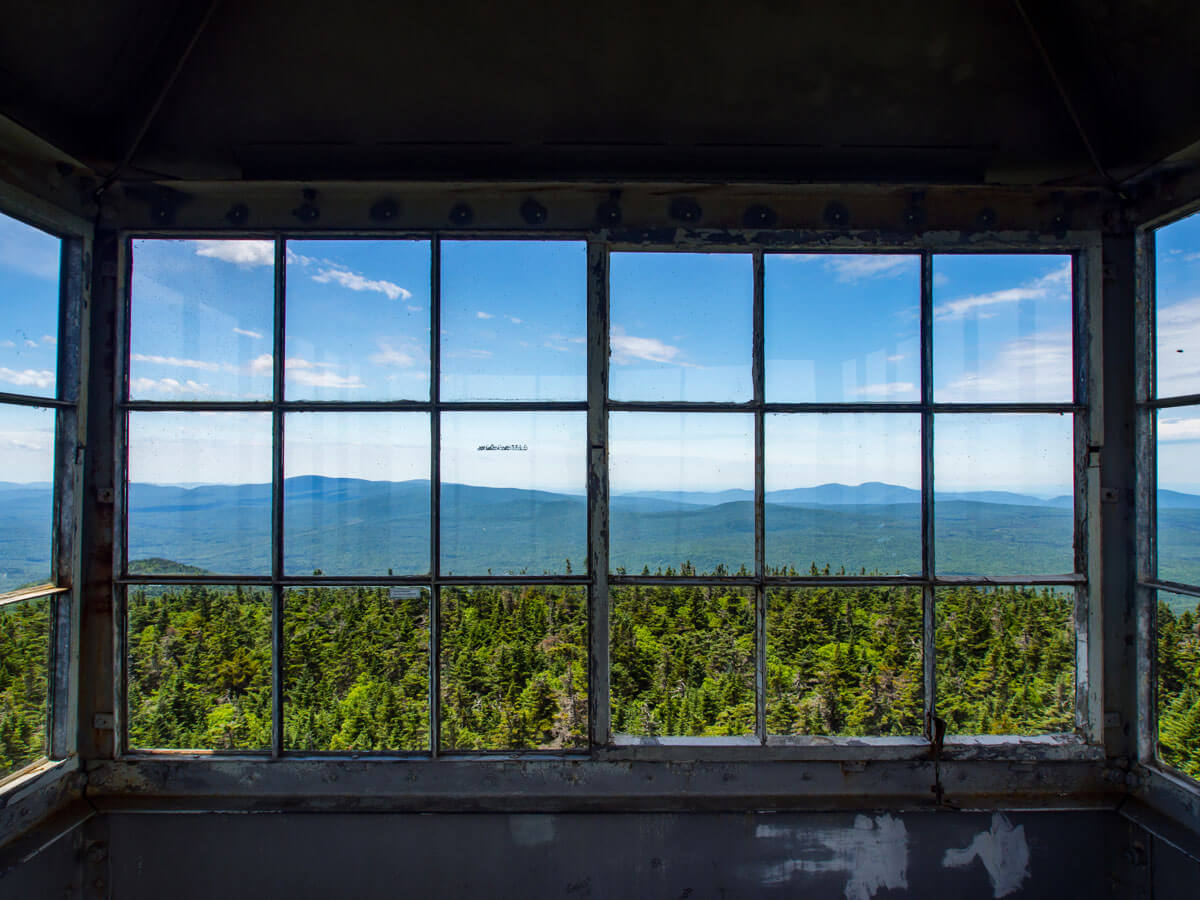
[682,493]
[682,660]
[1177,308]
[513,493]
[199,493]
[514,667]
[514,320]
[1179,494]
[199,667]
[356,668]
[843,494]
[29,270]
[845,661]
[356,493]
[681,326]
[1002,328]
[24,681]
[357,320]
[1006,660]
[1004,499]
[1177,692]
[842,327]
[200,320]
[26,496]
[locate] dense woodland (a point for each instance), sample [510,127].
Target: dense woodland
[513,669]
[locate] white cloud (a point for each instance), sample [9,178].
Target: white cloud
[245,332]
[627,348]
[514,320]
[356,282]
[49,340]
[177,362]
[1037,367]
[1055,285]
[412,308]
[1170,430]
[854,267]
[471,354]
[38,378]
[1177,330]
[897,357]
[886,389]
[32,345]
[7,344]
[262,365]
[306,372]
[242,253]
[142,387]
[482,315]
[565,339]
[390,356]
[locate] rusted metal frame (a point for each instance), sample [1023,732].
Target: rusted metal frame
[435,494]
[39,402]
[297,581]
[293,406]
[279,350]
[1173,587]
[928,531]
[811,581]
[599,700]
[1173,402]
[1087,434]
[819,241]
[119,389]
[760,499]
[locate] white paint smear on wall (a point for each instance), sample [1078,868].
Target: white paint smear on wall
[873,854]
[1003,851]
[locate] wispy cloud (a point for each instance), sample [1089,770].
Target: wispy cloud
[31,344]
[242,253]
[628,348]
[7,344]
[1055,285]
[25,249]
[566,339]
[390,356]
[356,282]
[1031,368]
[897,357]
[853,267]
[177,362]
[1170,430]
[482,315]
[470,353]
[514,319]
[49,340]
[886,389]
[142,387]
[412,308]
[1177,330]
[245,332]
[38,378]
[306,372]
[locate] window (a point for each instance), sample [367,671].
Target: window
[1171,495]
[36,420]
[433,496]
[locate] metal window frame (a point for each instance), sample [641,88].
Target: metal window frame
[1148,404]
[75,245]
[1082,247]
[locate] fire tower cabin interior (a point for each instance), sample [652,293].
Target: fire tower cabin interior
[636,450]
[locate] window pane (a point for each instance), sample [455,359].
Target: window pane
[1178,689]
[682,326]
[682,660]
[514,668]
[514,320]
[1177,308]
[29,270]
[811,356]
[199,667]
[845,661]
[513,493]
[356,494]
[199,493]
[201,314]
[1005,496]
[356,668]
[843,494]
[26,496]
[1179,494]
[24,682]
[357,320]
[1002,328]
[1006,660]
[682,492]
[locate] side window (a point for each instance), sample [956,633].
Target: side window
[1175,423]
[29,412]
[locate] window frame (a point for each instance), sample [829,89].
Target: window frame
[1165,779]
[75,242]
[1084,250]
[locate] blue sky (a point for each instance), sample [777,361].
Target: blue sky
[839,328]
[1177,332]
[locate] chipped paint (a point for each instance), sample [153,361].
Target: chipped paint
[1003,851]
[873,854]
